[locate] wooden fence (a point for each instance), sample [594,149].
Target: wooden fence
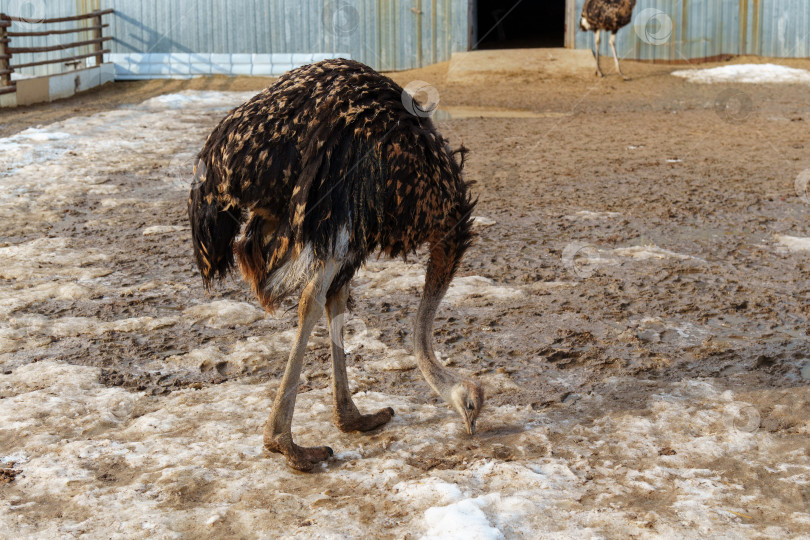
[7,51]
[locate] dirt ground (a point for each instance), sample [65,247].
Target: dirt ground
[646,231]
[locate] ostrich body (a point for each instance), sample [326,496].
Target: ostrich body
[608,15]
[302,183]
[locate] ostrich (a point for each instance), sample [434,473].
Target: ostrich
[316,172]
[609,15]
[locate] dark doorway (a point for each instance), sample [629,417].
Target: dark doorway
[523,24]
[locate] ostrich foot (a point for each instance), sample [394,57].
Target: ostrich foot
[355,421]
[300,458]
[600,74]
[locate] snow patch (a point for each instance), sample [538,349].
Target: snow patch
[77,326]
[793,243]
[45,169]
[50,257]
[650,252]
[481,222]
[393,360]
[746,73]
[163,229]
[379,278]
[17,296]
[463,520]
[469,287]
[589,215]
[224,313]
[198,99]
[245,357]
[427,489]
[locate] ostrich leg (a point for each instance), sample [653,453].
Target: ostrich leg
[278,430]
[598,41]
[347,417]
[615,56]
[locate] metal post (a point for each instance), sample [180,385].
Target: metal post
[97,35]
[5,63]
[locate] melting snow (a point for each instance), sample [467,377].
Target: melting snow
[197,99]
[481,222]
[649,252]
[379,278]
[793,243]
[23,331]
[18,296]
[224,313]
[115,463]
[588,215]
[462,520]
[469,287]
[245,356]
[587,258]
[746,73]
[50,256]
[163,229]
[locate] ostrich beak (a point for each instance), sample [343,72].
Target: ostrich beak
[470,424]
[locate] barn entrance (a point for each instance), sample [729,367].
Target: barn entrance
[515,24]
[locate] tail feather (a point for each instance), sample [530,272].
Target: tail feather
[213,230]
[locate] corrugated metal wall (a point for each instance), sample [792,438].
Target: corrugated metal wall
[681,30]
[779,28]
[386,34]
[403,34]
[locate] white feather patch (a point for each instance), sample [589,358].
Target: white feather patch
[300,270]
[342,244]
[292,273]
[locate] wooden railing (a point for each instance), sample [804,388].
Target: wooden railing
[7,51]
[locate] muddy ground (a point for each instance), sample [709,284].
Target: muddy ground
[633,236]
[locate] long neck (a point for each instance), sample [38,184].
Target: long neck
[441,267]
[446,250]
[439,377]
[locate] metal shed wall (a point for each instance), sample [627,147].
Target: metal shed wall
[404,34]
[385,34]
[706,29]
[778,28]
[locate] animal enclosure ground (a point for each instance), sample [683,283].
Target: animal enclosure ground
[635,304]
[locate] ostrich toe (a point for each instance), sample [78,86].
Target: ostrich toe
[364,422]
[300,458]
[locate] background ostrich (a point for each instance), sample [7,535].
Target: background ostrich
[609,15]
[323,168]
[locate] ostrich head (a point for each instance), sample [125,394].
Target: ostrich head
[467,398]
[584,25]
